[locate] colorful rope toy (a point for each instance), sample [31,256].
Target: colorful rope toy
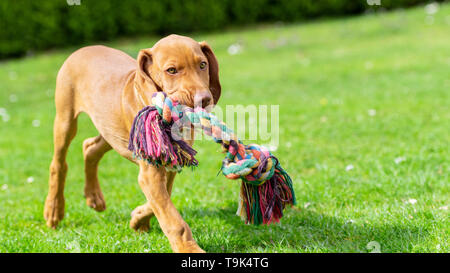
[266,187]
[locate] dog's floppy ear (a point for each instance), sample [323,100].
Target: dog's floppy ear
[145,61]
[214,83]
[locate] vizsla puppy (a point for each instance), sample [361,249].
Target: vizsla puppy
[111,87]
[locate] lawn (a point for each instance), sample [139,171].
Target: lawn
[364,133]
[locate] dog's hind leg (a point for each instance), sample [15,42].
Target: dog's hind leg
[93,150]
[65,128]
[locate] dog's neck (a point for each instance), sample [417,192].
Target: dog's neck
[136,95]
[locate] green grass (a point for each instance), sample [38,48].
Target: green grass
[326,76]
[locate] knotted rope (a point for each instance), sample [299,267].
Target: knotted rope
[266,187]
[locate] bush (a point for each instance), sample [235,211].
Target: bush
[34,25]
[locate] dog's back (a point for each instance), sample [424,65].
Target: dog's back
[90,72]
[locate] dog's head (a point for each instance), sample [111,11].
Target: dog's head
[183,68]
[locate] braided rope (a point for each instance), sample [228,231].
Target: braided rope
[266,187]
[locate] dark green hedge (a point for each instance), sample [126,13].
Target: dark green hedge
[34,25]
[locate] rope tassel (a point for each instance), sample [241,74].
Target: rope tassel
[264,204]
[152,141]
[266,187]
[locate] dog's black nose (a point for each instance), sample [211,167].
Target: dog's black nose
[203,99]
[206,101]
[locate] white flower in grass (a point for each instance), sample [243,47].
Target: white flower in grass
[234,49]
[305,61]
[13,98]
[30,180]
[6,118]
[4,115]
[444,208]
[351,221]
[371,112]
[399,159]
[306,205]
[73,247]
[368,65]
[4,187]
[349,167]
[12,75]
[431,8]
[412,201]
[273,148]
[36,123]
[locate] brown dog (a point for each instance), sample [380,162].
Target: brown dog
[111,87]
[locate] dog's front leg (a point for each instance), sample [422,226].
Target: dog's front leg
[153,183]
[140,217]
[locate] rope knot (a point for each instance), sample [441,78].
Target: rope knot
[266,187]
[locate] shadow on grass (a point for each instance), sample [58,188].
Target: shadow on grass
[299,231]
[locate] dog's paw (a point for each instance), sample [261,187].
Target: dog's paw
[140,218]
[190,247]
[140,225]
[95,200]
[54,211]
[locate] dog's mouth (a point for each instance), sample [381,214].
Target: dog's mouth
[183,98]
[200,99]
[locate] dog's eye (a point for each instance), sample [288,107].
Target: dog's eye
[203,65]
[172,70]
